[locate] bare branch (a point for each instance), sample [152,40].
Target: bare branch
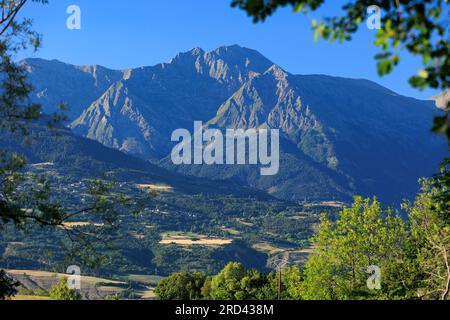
[10,16]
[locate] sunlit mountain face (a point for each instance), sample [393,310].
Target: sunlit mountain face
[339,137]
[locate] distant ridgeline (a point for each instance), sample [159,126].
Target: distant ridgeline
[338,137]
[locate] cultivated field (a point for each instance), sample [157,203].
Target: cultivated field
[155,187]
[73,225]
[28,298]
[267,248]
[92,287]
[189,239]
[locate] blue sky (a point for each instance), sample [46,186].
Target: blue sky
[123,34]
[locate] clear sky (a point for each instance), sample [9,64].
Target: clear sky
[122,34]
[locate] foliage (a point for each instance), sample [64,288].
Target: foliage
[233,282]
[236,283]
[7,285]
[113,297]
[291,280]
[181,286]
[363,236]
[431,235]
[413,256]
[62,291]
[441,200]
[27,199]
[14,111]
[28,292]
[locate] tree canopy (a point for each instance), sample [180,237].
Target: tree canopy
[364,237]
[62,291]
[181,286]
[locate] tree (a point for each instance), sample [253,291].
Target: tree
[7,285]
[13,112]
[181,286]
[10,9]
[441,199]
[206,289]
[431,234]
[291,284]
[62,291]
[233,282]
[291,280]
[251,285]
[27,200]
[226,285]
[236,283]
[363,239]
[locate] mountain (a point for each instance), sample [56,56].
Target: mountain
[55,82]
[339,137]
[138,113]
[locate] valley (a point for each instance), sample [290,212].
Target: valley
[338,138]
[183,223]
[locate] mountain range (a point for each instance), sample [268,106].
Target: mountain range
[339,136]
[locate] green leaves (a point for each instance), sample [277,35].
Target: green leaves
[442,125]
[181,286]
[299,7]
[363,236]
[261,9]
[7,285]
[387,62]
[233,282]
[431,232]
[62,292]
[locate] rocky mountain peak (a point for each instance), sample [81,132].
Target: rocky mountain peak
[277,72]
[442,99]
